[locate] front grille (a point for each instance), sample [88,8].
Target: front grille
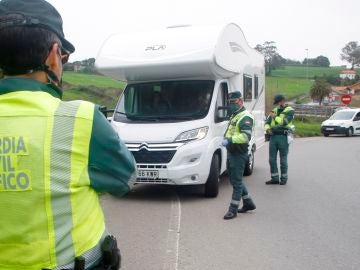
[158,181]
[152,157]
[333,129]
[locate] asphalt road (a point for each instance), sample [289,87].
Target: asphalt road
[311,223]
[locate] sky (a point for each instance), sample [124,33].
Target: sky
[300,28]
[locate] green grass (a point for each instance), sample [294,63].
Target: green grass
[102,96]
[75,78]
[290,87]
[95,88]
[307,127]
[309,72]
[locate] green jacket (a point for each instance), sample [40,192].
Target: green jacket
[282,122]
[239,131]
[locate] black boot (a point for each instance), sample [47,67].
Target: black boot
[248,205]
[272,182]
[230,214]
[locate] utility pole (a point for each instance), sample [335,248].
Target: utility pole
[307,64]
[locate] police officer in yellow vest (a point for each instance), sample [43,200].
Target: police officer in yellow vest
[237,137]
[55,156]
[279,126]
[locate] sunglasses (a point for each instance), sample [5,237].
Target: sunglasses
[64,55]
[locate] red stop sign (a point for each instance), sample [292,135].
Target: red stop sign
[346,99]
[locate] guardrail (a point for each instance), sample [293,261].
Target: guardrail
[313,110]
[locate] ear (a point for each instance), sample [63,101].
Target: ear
[53,59]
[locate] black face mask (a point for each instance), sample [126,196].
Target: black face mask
[233,107]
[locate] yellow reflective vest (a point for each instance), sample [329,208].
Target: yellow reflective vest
[280,120]
[49,214]
[233,131]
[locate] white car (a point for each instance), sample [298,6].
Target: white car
[346,121]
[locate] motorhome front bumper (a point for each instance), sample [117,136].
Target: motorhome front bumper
[172,164]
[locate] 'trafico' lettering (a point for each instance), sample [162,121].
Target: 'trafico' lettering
[13,178]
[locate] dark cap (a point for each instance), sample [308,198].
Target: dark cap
[278,98]
[236,94]
[34,13]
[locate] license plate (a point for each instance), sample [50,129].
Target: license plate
[329,128]
[147,174]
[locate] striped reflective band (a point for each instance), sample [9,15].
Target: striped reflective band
[249,132]
[235,202]
[60,178]
[92,257]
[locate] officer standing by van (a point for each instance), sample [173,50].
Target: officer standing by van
[237,137]
[279,126]
[55,156]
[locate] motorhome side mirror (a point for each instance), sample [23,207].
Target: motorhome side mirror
[106,111]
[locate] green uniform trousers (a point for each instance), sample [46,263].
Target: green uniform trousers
[237,163]
[278,143]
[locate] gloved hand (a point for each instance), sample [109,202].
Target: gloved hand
[224,142]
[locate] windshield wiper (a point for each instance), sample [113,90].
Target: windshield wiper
[141,117]
[156,117]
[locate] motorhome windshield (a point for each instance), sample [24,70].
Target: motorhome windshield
[342,115]
[165,101]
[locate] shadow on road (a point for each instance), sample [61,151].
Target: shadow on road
[161,193]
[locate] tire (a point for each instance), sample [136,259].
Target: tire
[350,132]
[212,183]
[249,167]
[326,135]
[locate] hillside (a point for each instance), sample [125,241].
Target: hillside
[306,72]
[97,89]
[288,80]
[295,81]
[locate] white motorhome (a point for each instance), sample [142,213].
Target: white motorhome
[171,114]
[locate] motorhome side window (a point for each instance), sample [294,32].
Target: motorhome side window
[247,88]
[165,101]
[256,86]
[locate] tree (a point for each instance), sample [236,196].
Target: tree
[319,90]
[351,53]
[292,62]
[272,57]
[322,61]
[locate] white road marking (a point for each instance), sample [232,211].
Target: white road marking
[171,259]
[259,146]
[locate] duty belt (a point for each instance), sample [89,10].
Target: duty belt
[284,132]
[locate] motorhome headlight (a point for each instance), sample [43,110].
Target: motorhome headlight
[194,134]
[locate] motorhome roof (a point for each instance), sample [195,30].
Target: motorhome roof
[177,52]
